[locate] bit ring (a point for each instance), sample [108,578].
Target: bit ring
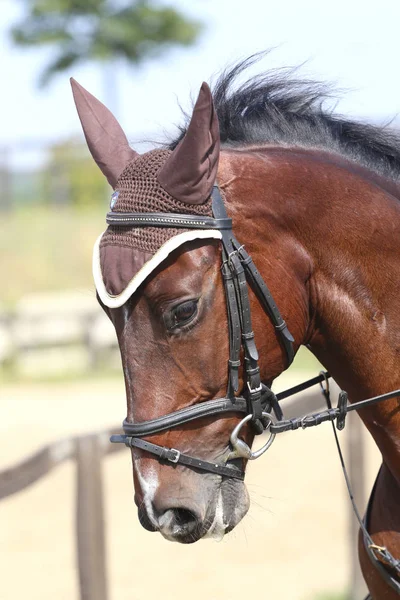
[241,449]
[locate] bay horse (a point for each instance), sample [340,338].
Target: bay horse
[315,199]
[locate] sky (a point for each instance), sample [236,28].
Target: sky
[353,44]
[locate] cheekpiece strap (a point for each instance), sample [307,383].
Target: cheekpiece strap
[237,268]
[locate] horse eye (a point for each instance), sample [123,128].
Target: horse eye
[183,313]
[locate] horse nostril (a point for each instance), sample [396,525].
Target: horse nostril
[180,523]
[184,517]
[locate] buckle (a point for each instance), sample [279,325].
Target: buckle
[254,390]
[175,458]
[307,421]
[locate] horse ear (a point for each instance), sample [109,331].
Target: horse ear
[189,173]
[104,136]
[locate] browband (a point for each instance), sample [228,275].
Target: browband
[167,220]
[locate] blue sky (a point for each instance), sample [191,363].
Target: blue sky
[354,44]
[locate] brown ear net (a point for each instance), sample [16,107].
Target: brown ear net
[190,172]
[104,136]
[159,181]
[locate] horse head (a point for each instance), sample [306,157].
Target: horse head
[163,289]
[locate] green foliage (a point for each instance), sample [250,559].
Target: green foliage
[72,178]
[48,248]
[101,30]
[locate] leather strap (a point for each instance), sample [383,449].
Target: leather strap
[219,406]
[172,456]
[231,260]
[167,220]
[337,414]
[233,305]
[232,247]
[267,301]
[234,327]
[185,415]
[134,431]
[381,558]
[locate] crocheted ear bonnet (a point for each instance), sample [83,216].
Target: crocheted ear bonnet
[170,181]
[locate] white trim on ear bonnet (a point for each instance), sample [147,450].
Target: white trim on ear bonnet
[115,301]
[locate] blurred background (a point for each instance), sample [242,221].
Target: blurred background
[60,371]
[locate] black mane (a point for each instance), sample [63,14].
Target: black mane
[276,108]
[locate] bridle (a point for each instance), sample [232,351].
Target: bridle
[258,401]
[259,405]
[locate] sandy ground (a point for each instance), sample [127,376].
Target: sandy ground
[292,545]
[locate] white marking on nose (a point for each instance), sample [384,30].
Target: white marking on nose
[149,480]
[149,484]
[125,313]
[218,527]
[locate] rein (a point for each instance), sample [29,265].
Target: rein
[258,403]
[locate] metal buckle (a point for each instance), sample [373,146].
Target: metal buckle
[254,390]
[306,420]
[177,456]
[231,254]
[241,449]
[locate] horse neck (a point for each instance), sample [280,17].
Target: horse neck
[344,221]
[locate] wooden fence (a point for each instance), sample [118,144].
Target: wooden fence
[57,333]
[88,452]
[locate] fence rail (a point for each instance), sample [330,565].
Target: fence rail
[57,333]
[88,452]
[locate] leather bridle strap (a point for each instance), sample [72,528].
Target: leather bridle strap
[134,431]
[171,455]
[233,247]
[235,268]
[210,408]
[264,295]
[167,220]
[381,558]
[234,327]
[332,414]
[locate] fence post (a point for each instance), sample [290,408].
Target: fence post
[90,519]
[358,589]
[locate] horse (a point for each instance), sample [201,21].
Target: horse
[313,200]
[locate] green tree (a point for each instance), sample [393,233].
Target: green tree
[101,30]
[71,177]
